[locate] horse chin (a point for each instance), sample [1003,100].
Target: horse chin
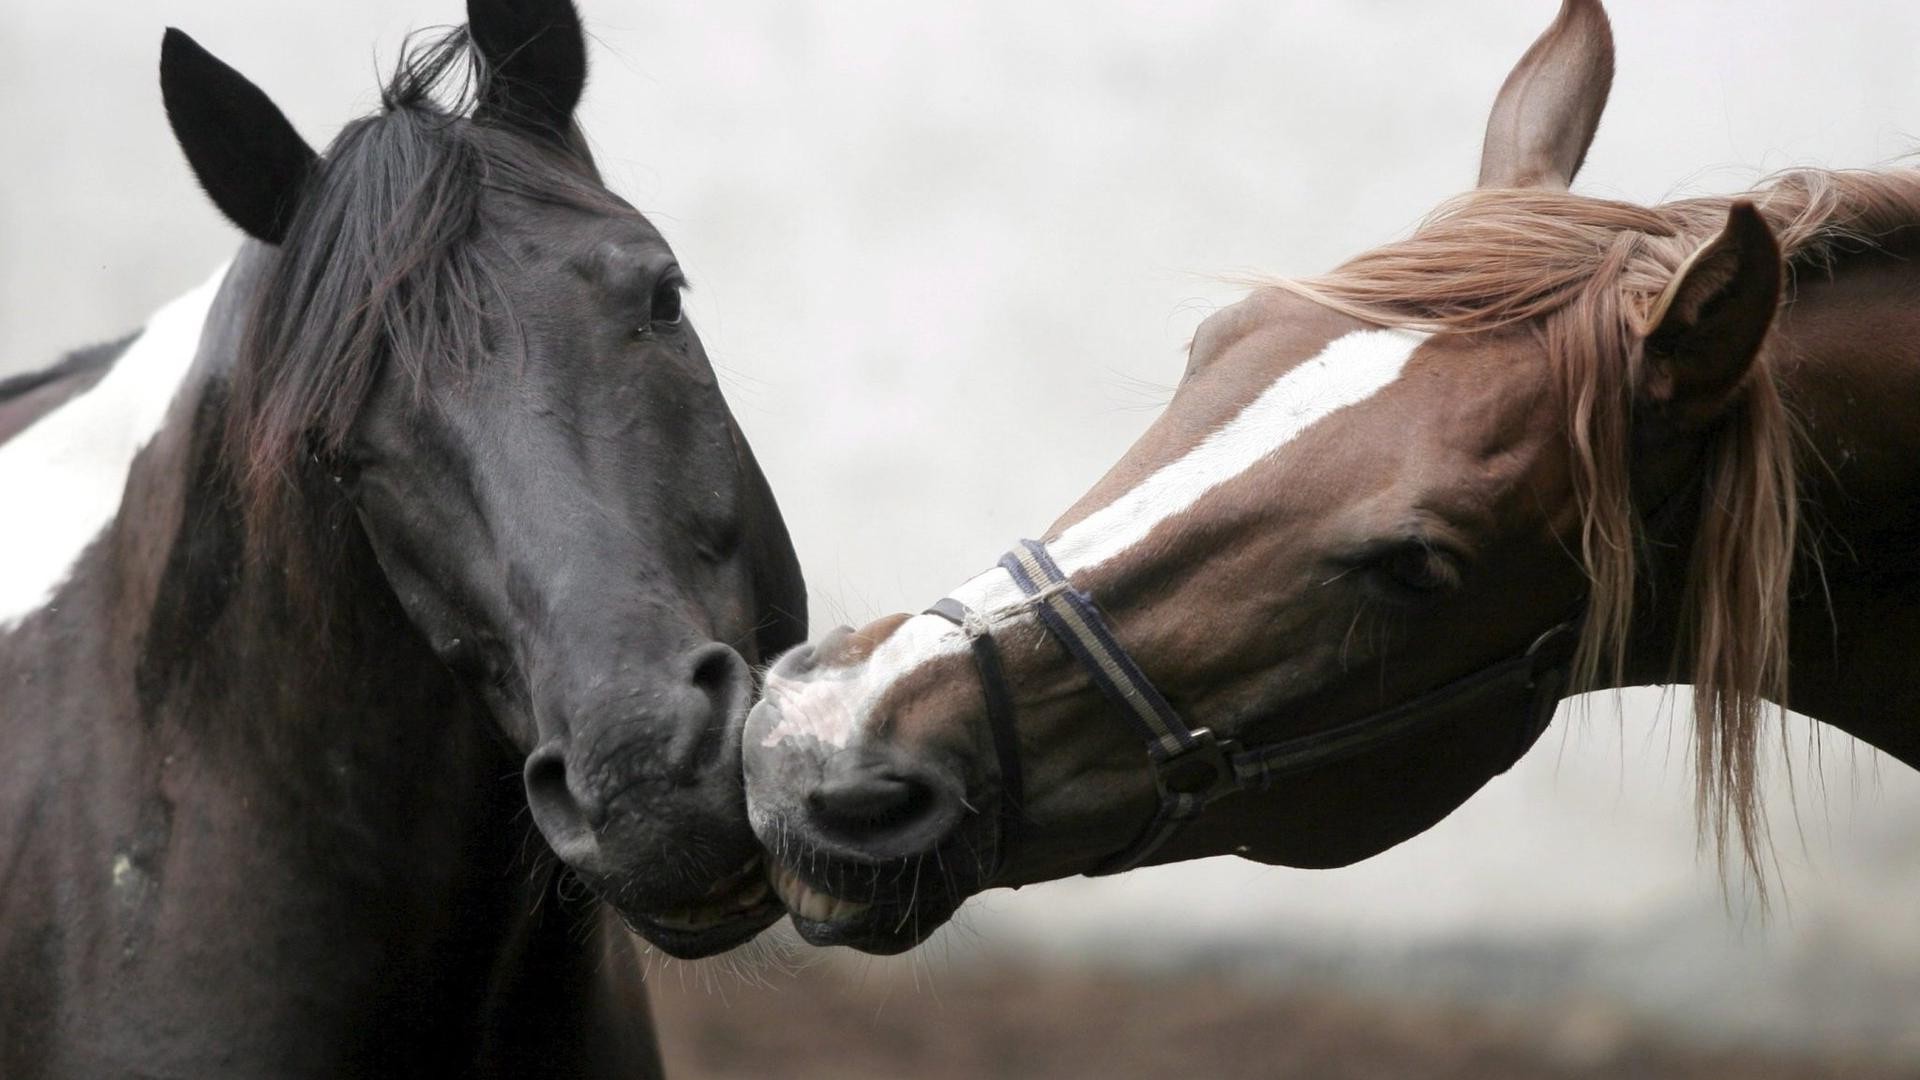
[884,933]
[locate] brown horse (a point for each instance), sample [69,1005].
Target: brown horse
[1393,514]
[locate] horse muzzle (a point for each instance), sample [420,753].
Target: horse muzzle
[637,790]
[868,846]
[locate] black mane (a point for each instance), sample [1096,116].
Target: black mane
[383,261]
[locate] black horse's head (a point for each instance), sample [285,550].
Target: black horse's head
[464,343]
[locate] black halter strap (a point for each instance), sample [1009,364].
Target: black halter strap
[1191,766]
[1000,714]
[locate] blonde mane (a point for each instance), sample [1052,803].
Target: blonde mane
[1587,275]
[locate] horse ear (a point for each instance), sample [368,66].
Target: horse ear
[1710,322]
[536,55]
[246,155]
[1549,107]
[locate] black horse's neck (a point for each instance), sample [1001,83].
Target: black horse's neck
[307,809]
[1846,367]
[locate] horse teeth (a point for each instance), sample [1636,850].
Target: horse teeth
[808,902]
[691,919]
[726,885]
[845,909]
[786,885]
[752,897]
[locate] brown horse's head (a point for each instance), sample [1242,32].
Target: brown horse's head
[1368,486]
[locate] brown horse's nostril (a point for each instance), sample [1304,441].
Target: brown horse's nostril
[868,800]
[872,803]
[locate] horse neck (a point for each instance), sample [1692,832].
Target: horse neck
[345,761]
[1844,361]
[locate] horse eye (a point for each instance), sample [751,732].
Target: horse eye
[666,303]
[1420,569]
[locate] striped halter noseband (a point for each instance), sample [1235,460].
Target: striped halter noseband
[1192,767]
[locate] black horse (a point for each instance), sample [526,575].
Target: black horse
[424,512]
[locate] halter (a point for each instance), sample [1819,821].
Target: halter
[1192,767]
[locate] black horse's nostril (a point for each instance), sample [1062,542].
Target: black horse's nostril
[720,673]
[723,687]
[870,802]
[567,820]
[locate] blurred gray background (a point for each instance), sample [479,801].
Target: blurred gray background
[890,211]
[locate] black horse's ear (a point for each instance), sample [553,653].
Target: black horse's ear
[536,57]
[247,156]
[1709,324]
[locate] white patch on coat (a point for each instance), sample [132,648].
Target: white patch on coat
[828,706]
[819,708]
[61,480]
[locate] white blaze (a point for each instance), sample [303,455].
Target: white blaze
[1349,370]
[62,478]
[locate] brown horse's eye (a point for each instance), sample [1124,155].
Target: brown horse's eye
[1418,568]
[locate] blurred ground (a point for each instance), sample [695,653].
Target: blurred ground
[831,1023]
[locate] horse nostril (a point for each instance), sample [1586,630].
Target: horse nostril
[721,674]
[869,802]
[881,807]
[723,688]
[566,819]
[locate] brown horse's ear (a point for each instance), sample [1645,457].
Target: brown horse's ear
[1544,119]
[1710,322]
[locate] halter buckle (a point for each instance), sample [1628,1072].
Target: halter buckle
[1204,770]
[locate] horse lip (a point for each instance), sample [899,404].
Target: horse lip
[753,868]
[693,944]
[733,909]
[882,931]
[881,927]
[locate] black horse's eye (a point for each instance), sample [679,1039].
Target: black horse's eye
[665,309]
[1418,568]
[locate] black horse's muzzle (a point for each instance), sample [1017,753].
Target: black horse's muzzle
[638,790]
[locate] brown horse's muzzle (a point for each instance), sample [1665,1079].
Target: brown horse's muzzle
[874,844]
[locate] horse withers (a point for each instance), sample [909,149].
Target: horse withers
[1392,515]
[424,513]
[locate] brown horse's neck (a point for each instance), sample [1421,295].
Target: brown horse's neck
[1847,357]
